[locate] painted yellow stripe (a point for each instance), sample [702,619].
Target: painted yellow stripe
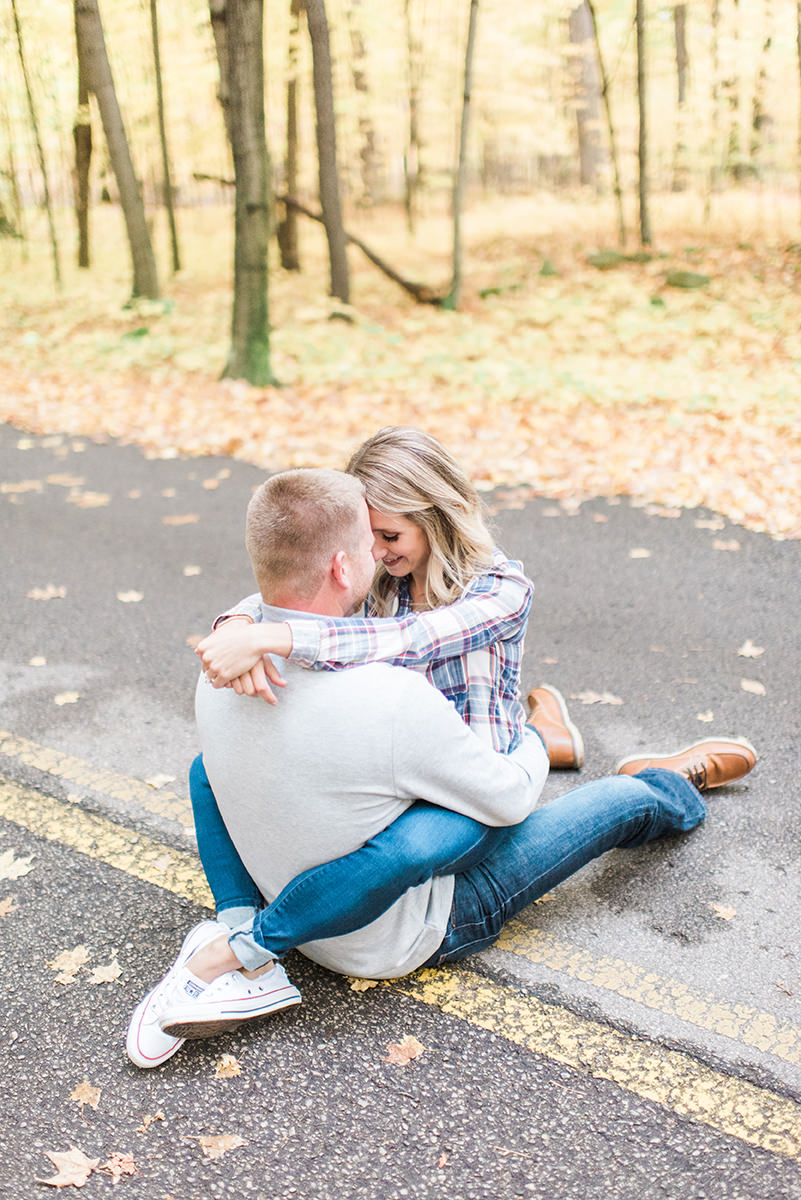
[108,783]
[746,1025]
[667,1077]
[136,854]
[733,1107]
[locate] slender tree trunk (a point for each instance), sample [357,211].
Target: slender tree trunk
[682,64]
[452,299]
[165,157]
[330,201]
[39,148]
[82,138]
[249,356]
[287,230]
[760,121]
[100,81]
[586,93]
[358,66]
[714,133]
[412,159]
[642,144]
[610,125]
[219,28]
[731,87]
[18,226]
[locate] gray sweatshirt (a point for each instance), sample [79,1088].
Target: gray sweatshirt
[340,757]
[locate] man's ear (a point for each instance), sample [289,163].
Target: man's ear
[339,569]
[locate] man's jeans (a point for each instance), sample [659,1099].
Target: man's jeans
[555,841]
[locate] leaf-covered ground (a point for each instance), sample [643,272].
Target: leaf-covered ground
[576,383]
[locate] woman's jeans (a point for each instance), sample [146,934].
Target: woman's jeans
[336,897]
[531,858]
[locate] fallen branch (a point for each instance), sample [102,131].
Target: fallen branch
[420,291]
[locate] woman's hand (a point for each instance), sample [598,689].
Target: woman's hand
[234,654]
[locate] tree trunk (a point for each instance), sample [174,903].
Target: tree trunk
[11,174]
[452,299]
[99,80]
[82,138]
[249,356]
[682,64]
[714,133]
[760,121]
[610,125]
[731,88]
[40,150]
[642,143]
[165,158]
[327,149]
[287,231]
[367,149]
[412,159]
[586,93]
[219,27]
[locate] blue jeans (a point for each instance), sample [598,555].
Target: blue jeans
[338,896]
[531,858]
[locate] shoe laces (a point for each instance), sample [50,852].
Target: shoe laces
[696,773]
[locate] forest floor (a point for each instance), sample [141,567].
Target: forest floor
[556,378]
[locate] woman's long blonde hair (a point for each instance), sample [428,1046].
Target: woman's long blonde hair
[408,473]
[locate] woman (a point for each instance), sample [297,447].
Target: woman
[444,599]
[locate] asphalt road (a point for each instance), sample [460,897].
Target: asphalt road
[686,951]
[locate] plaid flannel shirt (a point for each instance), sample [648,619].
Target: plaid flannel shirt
[470,650]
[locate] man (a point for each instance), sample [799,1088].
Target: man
[345,753]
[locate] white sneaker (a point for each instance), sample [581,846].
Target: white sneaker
[145,1044]
[228,1000]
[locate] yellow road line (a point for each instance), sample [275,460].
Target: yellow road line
[731,1106]
[746,1025]
[136,854]
[667,1077]
[108,783]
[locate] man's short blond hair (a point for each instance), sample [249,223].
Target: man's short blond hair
[296,522]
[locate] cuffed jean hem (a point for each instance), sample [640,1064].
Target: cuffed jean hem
[244,945]
[237,915]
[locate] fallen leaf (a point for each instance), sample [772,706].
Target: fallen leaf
[85,1094]
[158,781]
[186,519]
[549,661]
[69,481]
[216,1147]
[135,494]
[723,912]
[211,484]
[659,510]
[8,905]
[227,1067]
[441,1161]
[130,597]
[148,1121]
[718,544]
[753,686]
[596,698]
[168,493]
[403,1052]
[73,1167]
[109,973]
[713,523]
[189,571]
[51,592]
[68,963]
[749,650]
[14,868]
[600,518]
[16,489]
[88,499]
[38,660]
[639,552]
[118,1165]
[225,473]
[66,698]
[706,716]
[363,985]
[195,639]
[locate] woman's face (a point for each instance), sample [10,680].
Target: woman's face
[399,544]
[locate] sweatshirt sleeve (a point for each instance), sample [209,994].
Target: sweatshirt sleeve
[249,607]
[436,757]
[494,607]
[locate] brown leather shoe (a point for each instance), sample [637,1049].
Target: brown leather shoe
[708,764]
[548,714]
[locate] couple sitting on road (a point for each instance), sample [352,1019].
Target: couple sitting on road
[373,820]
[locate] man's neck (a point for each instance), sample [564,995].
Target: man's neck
[323,604]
